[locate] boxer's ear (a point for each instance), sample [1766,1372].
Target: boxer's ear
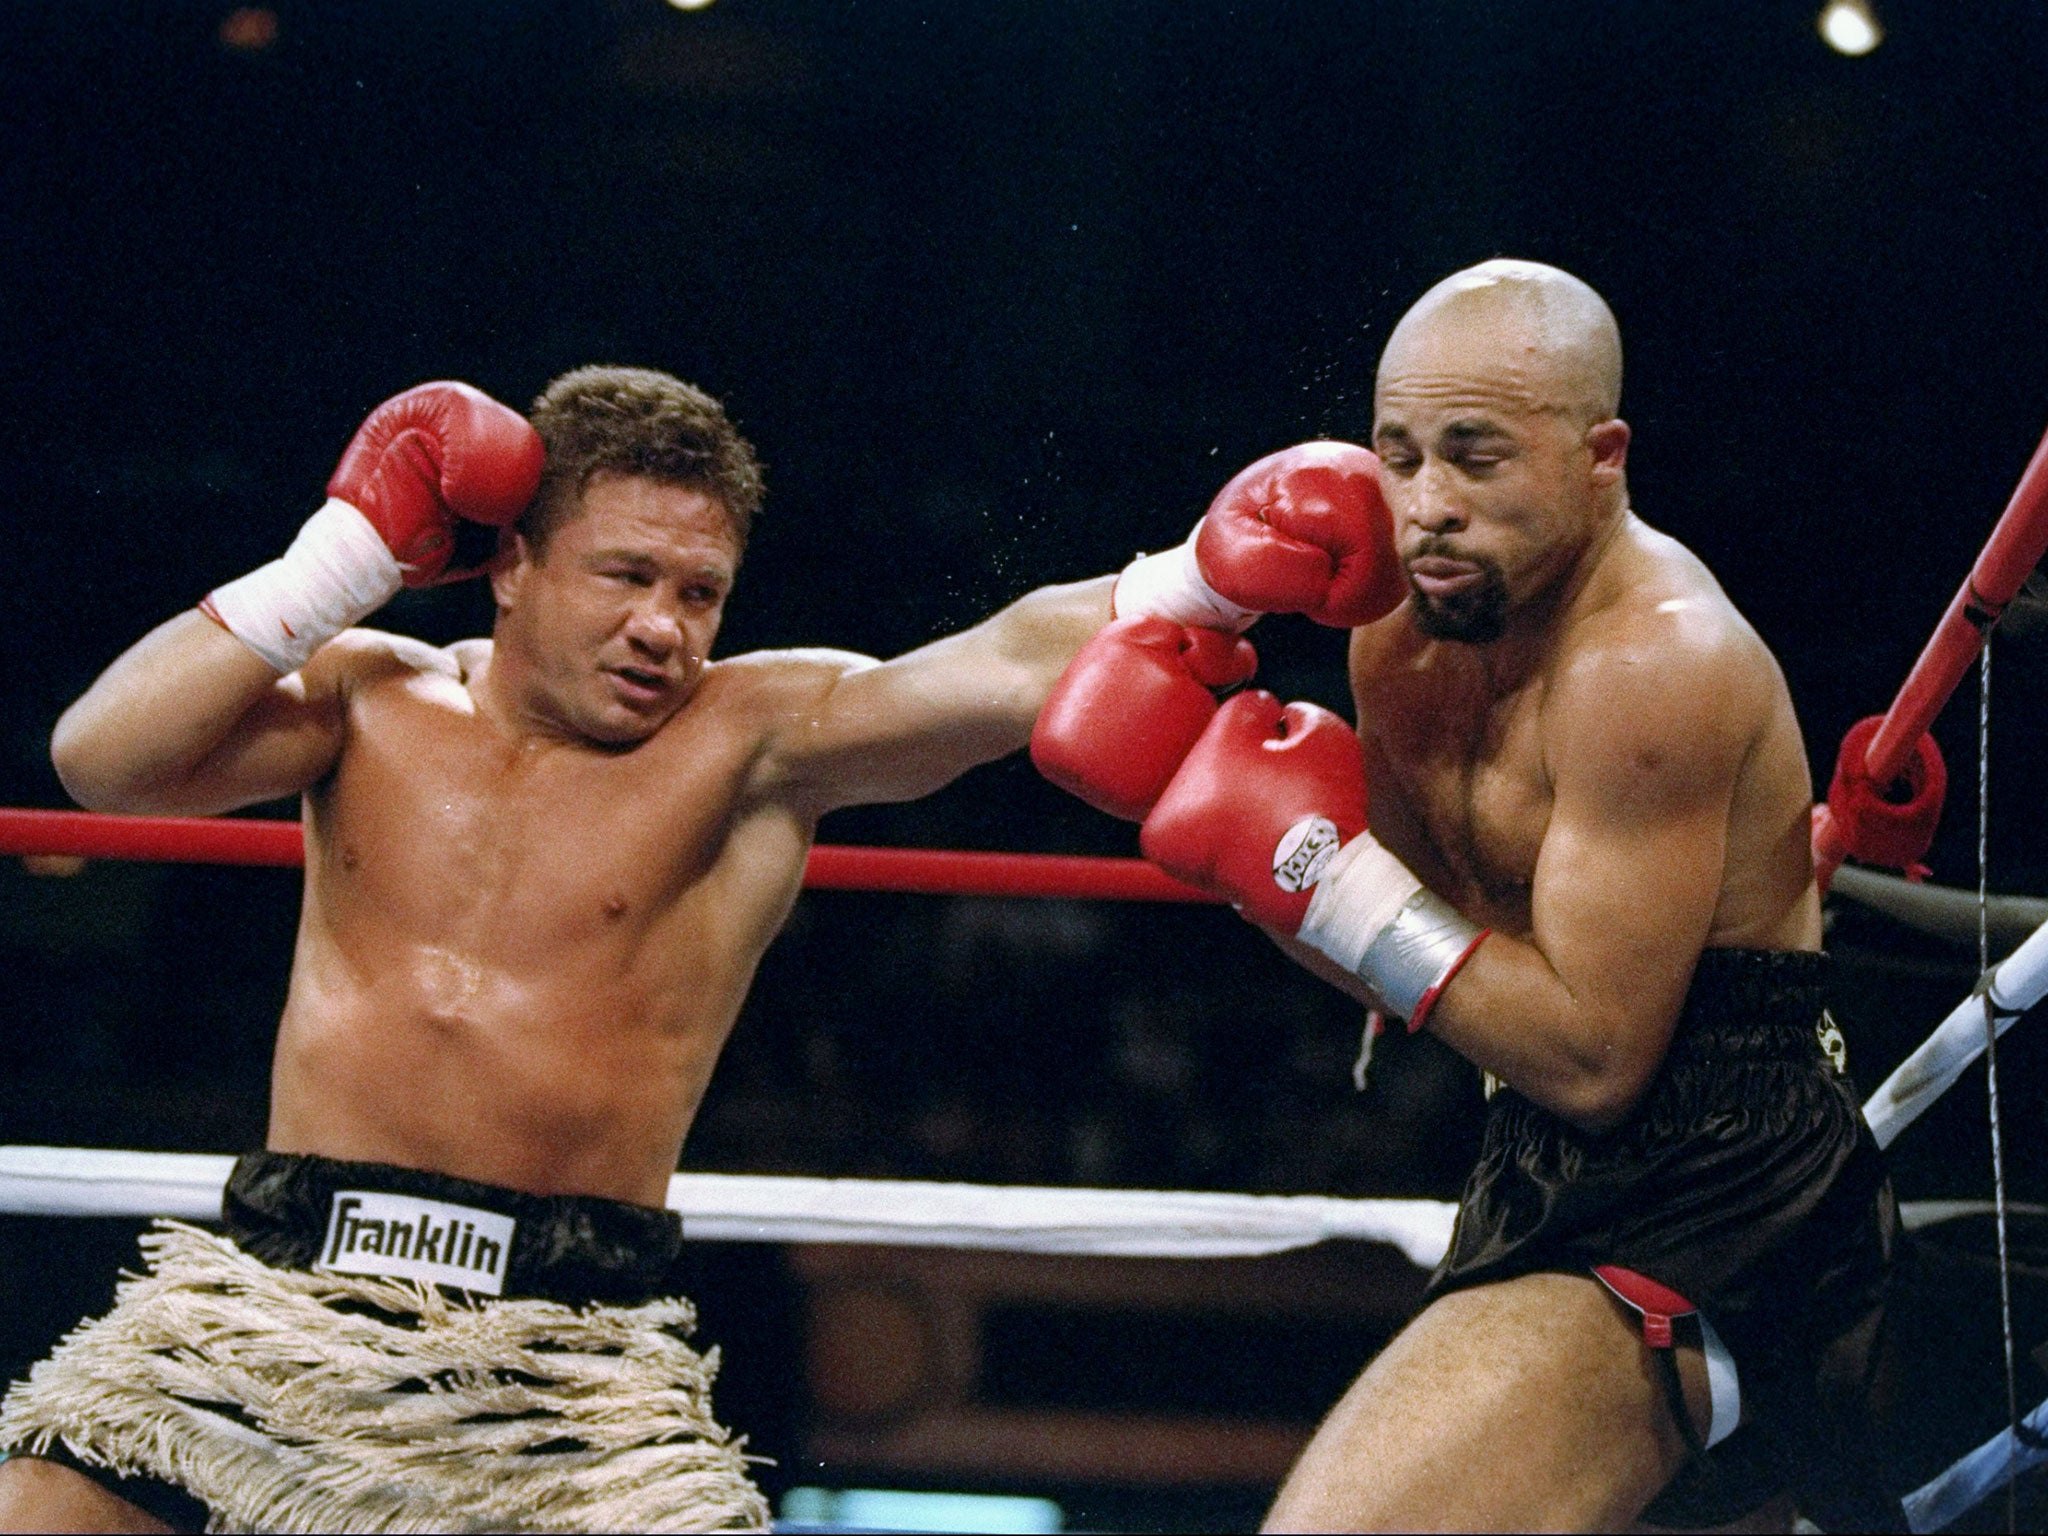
[1608,442]
[510,569]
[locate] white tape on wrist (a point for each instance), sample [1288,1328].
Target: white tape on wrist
[336,573]
[1362,889]
[1373,917]
[1170,585]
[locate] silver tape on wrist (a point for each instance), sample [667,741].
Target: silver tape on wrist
[1414,955]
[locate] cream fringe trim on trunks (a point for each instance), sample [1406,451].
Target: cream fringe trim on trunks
[288,1401]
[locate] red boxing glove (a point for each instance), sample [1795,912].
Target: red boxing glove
[1260,806]
[1305,531]
[436,453]
[1131,703]
[1873,826]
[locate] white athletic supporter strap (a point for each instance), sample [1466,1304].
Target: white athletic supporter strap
[336,573]
[1170,585]
[1376,920]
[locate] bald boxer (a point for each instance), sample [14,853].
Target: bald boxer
[540,871]
[1583,864]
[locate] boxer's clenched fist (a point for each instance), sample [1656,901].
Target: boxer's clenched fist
[1260,805]
[436,453]
[1129,706]
[424,459]
[1305,531]
[1268,810]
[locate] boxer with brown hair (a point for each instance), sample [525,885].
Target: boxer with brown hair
[541,868]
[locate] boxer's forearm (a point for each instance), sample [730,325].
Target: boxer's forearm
[901,729]
[977,694]
[138,735]
[1037,636]
[1510,1013]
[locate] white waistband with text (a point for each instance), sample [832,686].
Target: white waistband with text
[369,1233]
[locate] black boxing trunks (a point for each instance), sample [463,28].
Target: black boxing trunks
[373,1347]
[1747,1182]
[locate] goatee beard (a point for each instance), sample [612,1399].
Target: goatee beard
[1476,616]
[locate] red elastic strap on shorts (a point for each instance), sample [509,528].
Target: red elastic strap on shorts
[1658,1305]
[1429,998]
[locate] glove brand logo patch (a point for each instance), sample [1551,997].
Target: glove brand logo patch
[1304,852]
[369,1233]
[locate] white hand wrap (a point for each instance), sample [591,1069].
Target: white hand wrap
[336,573]
[1375,919]
[1170,585]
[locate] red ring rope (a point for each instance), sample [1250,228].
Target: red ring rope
[207,840]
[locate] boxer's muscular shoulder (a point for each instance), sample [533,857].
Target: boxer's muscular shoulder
[360,660]
[776,685]
[1666,686]
[778,697]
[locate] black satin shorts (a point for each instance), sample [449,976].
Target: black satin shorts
[1747,1181]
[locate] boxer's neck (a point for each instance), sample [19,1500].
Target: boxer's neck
[1533,627]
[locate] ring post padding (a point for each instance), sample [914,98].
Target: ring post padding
[2017,983]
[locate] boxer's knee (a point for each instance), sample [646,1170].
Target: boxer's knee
[39,1495]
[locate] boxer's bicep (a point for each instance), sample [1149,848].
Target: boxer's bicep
[1631,868]
[286,743]
[189,721]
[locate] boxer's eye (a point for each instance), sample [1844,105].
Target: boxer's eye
[1476,461]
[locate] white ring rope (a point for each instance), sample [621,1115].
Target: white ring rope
[757,1208]
[1975,1477]
[751,1208]
[1940,911]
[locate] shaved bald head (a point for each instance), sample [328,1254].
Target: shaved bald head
[1502,456]
[1548,337]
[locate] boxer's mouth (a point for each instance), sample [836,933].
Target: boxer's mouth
[1438,576]
[639,685]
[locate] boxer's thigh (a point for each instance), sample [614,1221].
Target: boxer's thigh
[1529,1404]
[38,1495]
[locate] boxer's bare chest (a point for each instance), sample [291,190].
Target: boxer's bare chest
[1459,786]
[433,818]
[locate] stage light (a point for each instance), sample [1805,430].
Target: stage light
[1849,26]
[689,5]
[249,29]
